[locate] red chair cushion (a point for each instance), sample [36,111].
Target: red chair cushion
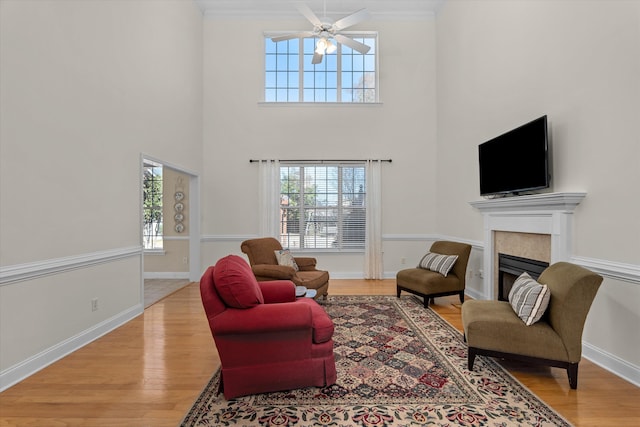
[236,284]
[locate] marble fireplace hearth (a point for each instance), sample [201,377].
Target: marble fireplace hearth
[538,227]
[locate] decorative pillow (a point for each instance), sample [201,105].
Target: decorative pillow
[439,263]
[284,257]
[236,283]
[529,299]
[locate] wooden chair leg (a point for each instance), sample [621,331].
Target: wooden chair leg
[471,357]
[572,373]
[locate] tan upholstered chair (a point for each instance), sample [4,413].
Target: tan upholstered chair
[493,329]
[261,253]
[430,284]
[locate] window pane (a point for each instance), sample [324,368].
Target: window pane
[293,63]
[293,80]
[270,95]
[270,79]
[269,47]
[332,80]
[281,62]
[270,62]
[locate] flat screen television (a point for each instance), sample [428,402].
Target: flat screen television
[516,161]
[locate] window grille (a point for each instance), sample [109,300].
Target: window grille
[345,76]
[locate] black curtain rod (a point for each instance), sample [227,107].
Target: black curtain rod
[320,161]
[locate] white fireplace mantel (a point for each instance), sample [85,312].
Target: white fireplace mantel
[549,213]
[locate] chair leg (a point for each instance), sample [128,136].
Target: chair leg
[220,385]
[398,291]
[471,357]
[461,295]
[572,373]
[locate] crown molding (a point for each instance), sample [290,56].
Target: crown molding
[286,10]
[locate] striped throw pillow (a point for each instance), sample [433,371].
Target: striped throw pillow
[529,299]
[439,263]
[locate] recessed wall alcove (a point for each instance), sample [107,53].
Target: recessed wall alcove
[536,226]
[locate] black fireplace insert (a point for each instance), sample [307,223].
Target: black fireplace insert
[510,267]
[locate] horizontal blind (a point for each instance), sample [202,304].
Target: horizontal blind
[322,205]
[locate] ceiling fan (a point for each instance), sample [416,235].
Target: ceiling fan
[326,30]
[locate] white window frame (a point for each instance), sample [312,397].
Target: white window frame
[338,53]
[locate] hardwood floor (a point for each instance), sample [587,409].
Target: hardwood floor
[149,372]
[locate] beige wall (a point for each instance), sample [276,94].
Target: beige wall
[237,128]
[501,64]
[85,88]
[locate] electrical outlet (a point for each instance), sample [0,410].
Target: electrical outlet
[94,304]
[185,260]
[481,274]
[403,260]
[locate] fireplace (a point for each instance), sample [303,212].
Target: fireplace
[510,267]
[544,214]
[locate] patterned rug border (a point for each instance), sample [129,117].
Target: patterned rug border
[372,414]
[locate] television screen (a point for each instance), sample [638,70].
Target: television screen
[516,161]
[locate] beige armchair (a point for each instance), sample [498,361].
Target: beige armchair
[261,254]
[493,329]
[430,284]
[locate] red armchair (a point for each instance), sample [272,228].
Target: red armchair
[266,338]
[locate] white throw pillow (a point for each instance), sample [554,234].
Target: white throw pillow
[284,257]
[529,299]
[439,263]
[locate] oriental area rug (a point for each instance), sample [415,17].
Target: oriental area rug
[398,364]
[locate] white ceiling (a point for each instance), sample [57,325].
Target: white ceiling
[286,9]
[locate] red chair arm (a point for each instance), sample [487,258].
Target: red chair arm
[278,291]
[263,318]
[277,272]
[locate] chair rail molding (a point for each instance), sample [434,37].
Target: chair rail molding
[20,272]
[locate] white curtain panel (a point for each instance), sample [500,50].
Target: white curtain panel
[269,197]
[373,236]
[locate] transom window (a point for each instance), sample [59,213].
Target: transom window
[322,206]
[345,75]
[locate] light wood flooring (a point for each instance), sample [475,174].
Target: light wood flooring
[156,289]
[149,371]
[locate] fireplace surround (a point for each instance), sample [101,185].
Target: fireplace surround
[547,214]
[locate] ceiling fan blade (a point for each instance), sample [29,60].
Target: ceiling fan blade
[353,44]
[317,58]
[291,36]
[353,19]
[308,13]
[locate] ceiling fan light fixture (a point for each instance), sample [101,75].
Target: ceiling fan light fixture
[331,47]
[321,46]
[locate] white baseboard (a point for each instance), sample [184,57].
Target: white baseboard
[30,366]
[611,363]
